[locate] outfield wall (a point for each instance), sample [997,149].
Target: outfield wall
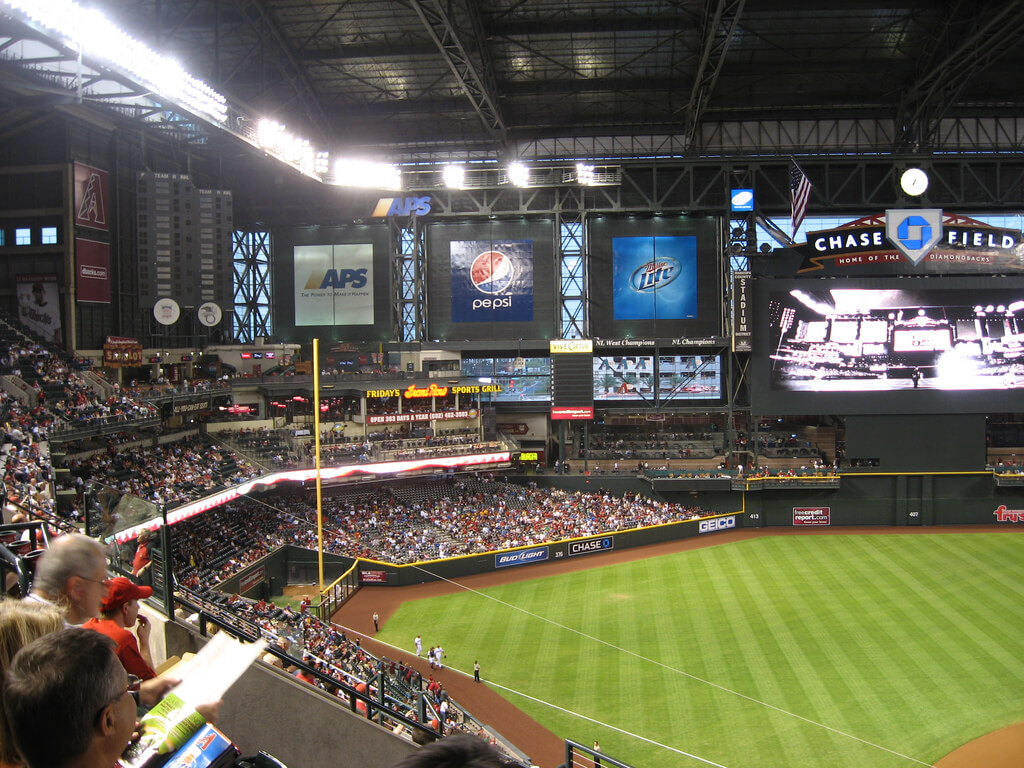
[889,499]
[380,574]
[863,499]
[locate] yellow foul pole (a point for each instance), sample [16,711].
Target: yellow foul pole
[316,446]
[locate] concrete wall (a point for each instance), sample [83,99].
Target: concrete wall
[269,710]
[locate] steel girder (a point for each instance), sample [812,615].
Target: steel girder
[475,77]
[721,17]
[270,36]
[408,265]
[572,272]
[930,98]
[251,259]
[853,186]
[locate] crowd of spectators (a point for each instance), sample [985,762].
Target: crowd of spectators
[173,472]
[423,521]
[342,661]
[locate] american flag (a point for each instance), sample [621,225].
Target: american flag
[800,192]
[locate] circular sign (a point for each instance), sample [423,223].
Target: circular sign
[166,311]
[210,314]
[914,181]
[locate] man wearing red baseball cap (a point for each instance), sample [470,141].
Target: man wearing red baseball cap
[120,610]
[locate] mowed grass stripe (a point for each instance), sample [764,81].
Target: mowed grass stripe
[930,624]
[806,655]
[786,578]
[858,619]
[771,659]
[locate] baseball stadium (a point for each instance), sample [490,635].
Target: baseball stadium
[556,383]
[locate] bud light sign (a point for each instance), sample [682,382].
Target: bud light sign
[522,557]
[492,280]
[654,278]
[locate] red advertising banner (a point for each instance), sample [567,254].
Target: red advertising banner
[251,579]
[91,197]
[564,413]
[812,515]
[373,577]
[92,273]
[1004,515]
[121,350]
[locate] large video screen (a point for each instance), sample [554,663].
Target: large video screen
[491,280]
[333,283]
[889,345]
[655,276]
[530,381]
[680,378]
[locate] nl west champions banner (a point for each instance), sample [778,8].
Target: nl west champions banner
[334,284]
[492,280]
[654,278]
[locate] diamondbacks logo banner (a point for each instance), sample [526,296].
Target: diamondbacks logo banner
[492,281]
[91,197]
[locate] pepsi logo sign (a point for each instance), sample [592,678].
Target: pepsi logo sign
[655,274]
[492,272]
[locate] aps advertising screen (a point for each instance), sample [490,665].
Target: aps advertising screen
[334,284]
[338,280]
[890,345]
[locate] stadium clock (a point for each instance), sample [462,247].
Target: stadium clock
[914,181]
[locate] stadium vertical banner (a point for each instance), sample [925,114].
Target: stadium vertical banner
[39,305]
[334,284]
[492,281]
[90,197]
[92,271]
[742,335]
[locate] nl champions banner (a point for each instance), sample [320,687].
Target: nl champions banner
[334,284]
[654,278]
[492,280]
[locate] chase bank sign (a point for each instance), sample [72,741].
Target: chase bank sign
[914,232]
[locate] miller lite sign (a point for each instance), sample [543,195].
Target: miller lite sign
[492,280]
[654,278]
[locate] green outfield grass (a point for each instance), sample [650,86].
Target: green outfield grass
[824,649]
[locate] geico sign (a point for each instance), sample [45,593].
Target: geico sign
[718,524]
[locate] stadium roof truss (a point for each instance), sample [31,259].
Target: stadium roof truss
[421,83]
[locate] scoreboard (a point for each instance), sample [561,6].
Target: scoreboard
[572,378]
